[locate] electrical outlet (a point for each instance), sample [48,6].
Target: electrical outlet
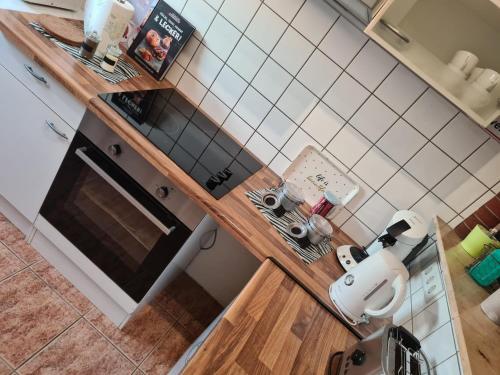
[431,280]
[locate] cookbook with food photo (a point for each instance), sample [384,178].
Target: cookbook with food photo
[160,40]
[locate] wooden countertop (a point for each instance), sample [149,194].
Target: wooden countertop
[234,212]
[273,326]
[478,338]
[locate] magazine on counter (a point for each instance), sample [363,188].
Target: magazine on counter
[160,40]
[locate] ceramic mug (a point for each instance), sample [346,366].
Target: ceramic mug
[464,61]
[476,72]
[487,79]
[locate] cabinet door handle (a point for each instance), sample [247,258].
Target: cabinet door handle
[395,31]
[53,127]
[36,75]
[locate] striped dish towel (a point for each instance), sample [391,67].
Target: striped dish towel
[123,70]
[309,254]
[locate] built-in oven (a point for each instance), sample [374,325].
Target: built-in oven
[117,210]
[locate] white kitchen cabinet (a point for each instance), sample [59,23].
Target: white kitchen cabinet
[33,142]
[425,34]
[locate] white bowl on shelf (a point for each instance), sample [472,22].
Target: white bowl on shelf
[475,96]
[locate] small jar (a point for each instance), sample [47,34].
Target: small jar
[327,206]
[318,229]
[110,59]
[298,232]
[290,196]
[270,200]
[89,45]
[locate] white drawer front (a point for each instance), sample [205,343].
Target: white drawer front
[33,143]
[45,87]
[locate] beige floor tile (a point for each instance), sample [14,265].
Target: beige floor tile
[58,282]
[4,368]
[80,350]
[171,348]
[139,336]
[9,263]
[13,238]
[31,315]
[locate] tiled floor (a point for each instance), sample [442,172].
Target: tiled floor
[48,327]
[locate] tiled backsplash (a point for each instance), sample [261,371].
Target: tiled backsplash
[488,215]
[283,74]
[428,318]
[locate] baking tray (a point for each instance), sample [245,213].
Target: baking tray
[315,174]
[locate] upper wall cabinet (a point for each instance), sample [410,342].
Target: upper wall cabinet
[426,35]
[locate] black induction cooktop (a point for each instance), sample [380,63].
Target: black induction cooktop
[195,143]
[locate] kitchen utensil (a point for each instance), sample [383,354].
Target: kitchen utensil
[271,201]
[298,231]
[475,242]
[404,236]
[491,307]
[464,61]
[111,57]
[318,229]
[487,271]
[290,196]
[391,350]
[315,174]
[67,31]
[487,79]
[89,45]
[376,287]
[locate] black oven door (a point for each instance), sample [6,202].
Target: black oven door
[111,219]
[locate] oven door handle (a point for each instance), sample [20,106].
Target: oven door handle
[80,152]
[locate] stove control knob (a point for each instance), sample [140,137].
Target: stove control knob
[162,192]
[115,150]
[358,357]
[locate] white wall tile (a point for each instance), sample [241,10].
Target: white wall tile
[460,138]
[277,128]
[174,73]
[358,231]
[318,73]
[430,113]
[205,66]
[292,51]
[314,20]
[322,123]
[287,9]
[348,145]
[373,118]
[271,80]
[246,59]
[266,29]
[448,367]
[485,163]
[455,221]
[400,89]
[346,96]
[343,42]
[430,165]
[376,213]
[459,189]
[371,65]
[402,190]
[221,37]
[336,162]
[297,143]
[279,164]
[214,108]
[253,107]
[229,86]
[238,128]
[403,315]
[238,12]
[177,4]
[364,193]
[440,345]
[496,188]
[432,318]
[261,148]
[341,217]
[297,102]
[193,89]
[401,142]
[477,204]
[375,168]
[187,52]
[200,14]
[431,205]
[215,3]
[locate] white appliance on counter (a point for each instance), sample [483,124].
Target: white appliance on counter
[405,236]
[376,287]
[74,5]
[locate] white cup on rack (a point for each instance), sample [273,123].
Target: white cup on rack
[464,61]
[487,79]
[476,72]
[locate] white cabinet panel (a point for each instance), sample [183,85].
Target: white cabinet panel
[30,150]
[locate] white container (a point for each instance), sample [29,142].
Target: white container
[491,307]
